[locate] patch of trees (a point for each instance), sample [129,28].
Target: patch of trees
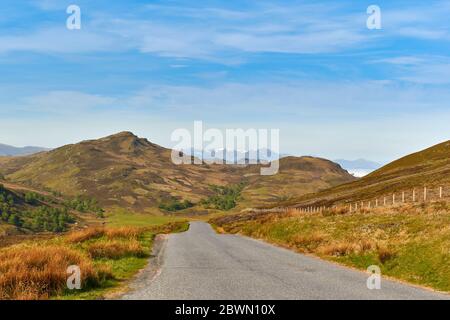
[176,205]
[224,197]
[7,211]
[34,198]
[40,219]
[84,204]
[47,219]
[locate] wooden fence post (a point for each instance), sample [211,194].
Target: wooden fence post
[425,194]
[403,197]
[440,192]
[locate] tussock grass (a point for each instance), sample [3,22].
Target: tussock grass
[110,233]
[106,257]
[37,272]
[125,232]
[86,234]
[113,249]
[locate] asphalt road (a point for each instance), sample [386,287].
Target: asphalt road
[200,264]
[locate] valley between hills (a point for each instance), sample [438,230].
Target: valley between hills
[102,203]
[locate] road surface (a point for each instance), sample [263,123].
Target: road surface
[200,264]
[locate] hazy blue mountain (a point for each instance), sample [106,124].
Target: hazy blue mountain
[233,156]
[6,150]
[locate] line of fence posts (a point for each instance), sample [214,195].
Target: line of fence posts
[360,205]
[394,199]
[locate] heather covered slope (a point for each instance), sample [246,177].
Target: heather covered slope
[297,176]
[127,171]
[428,168]
[121,170]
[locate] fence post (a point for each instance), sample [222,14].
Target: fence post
[440,192]
[425,194]
[376,202]
[393,198]
[403,197]
[414,195]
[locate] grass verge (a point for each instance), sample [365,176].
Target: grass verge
[411,243]
[107,257]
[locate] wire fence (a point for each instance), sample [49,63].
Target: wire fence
[411,196]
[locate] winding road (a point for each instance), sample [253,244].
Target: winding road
[201,264]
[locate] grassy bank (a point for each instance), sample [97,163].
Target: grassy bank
[107,257]
[411,243]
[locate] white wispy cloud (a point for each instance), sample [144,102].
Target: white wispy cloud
[421,69]
[65,102]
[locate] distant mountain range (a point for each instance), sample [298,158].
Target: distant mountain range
[235,156]
[6,150]
[359,167]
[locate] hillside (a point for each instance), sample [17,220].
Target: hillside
[25,211]
[428,168]
[297,176]
[127,171]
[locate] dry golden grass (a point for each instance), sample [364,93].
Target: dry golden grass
[338,249]
[39,271]
[110,233]
[86,234]
[409,241]
[307,242]
[113,249]
[124,232]
[385,254]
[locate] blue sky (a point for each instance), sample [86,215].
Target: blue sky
[310,68]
